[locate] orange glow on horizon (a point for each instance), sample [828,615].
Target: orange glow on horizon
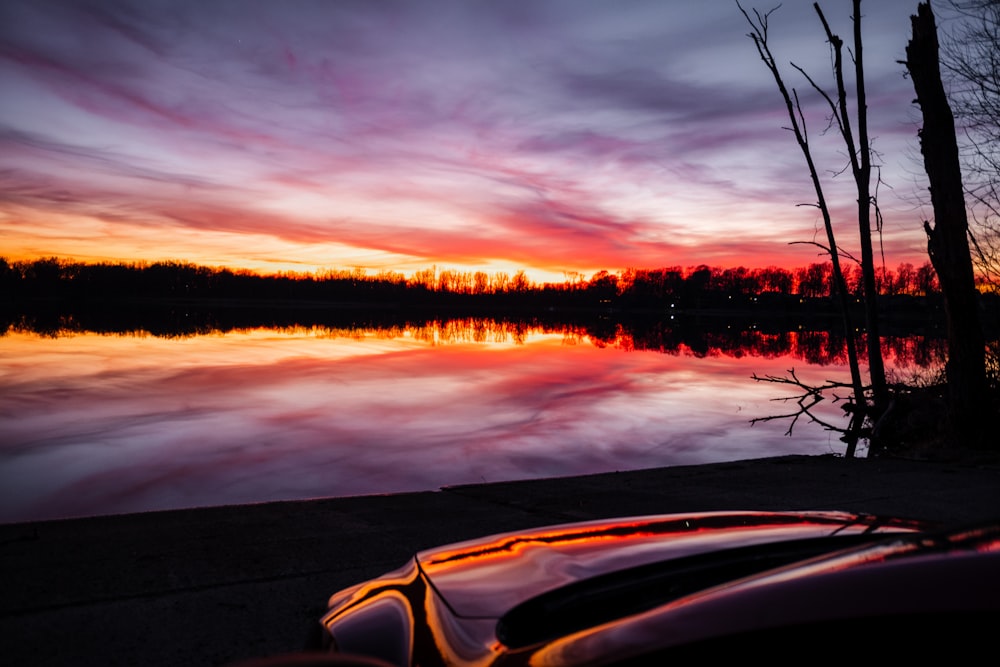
[30,234]
[536,274]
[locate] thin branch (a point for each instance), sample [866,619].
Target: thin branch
[810,397]
[826,250]
[835,113]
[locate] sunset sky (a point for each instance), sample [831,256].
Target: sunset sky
[559,136]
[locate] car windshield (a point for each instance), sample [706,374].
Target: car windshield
[592,602]
[604,598]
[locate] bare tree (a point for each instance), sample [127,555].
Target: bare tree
[859,155]
[970,62]
[758,33]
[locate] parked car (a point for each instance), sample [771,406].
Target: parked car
[646,590]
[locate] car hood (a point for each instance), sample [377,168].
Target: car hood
[484,578]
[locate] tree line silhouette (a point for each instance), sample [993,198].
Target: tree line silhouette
[672,288]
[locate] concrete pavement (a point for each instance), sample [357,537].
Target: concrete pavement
[213,585]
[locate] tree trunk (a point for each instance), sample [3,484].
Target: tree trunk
[947,240]
[862,177]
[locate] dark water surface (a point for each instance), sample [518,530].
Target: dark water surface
[101,424]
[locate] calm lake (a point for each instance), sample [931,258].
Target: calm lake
[95,424]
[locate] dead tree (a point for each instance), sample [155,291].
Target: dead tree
[859,153]
[948,238]
[758,34]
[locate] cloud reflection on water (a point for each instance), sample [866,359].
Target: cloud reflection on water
[100,425]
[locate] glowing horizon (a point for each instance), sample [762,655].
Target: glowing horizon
[548,137]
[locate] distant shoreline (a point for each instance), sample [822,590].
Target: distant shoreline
[45,315]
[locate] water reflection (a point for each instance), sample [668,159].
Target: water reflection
[98,424]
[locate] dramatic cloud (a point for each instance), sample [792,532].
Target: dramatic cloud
[554,135]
